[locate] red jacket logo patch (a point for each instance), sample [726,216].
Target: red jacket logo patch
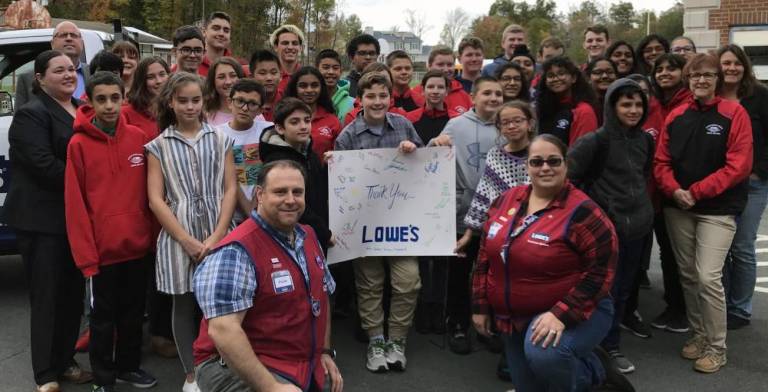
[136,160]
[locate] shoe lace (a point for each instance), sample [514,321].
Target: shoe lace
[397,345]
[376,348]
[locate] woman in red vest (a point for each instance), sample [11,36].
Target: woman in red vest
[545,268]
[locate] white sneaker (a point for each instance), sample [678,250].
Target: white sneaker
[395,353]
[377,360]
[190,386]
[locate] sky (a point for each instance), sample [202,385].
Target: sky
[383,14]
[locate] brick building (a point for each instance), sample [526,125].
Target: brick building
[712,23]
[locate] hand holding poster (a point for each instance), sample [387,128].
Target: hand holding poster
[386,203]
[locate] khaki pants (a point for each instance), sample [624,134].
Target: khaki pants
[369,280]
[701,243]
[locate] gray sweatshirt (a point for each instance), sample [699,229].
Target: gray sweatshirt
[472,138]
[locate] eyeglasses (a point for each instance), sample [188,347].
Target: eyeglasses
[242,103]
[508,79]
[64,35]
[682,49]
[600,72]
[518,121]
[366,53]
[559,75]
[708,76]
[186,50]
[539,162]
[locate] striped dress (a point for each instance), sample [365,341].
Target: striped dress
[193,174]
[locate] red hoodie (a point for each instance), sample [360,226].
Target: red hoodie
[584,121]
[457,100]
[105,194]
[143,121]
[680,97]
[325,128]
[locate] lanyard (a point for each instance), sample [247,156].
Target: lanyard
[524,225]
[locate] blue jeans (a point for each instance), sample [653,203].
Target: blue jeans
[740,269]
[571,366]
[629,264]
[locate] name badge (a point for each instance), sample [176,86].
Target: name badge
[493,230]
[282,282]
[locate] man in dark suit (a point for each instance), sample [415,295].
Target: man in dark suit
[67,39]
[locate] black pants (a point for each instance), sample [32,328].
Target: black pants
[159,305]
[117,307]
[56,289]
[634,297]
[460,286]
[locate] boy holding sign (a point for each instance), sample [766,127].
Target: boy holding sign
[374,127]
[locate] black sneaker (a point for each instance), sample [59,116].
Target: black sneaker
[634,324]
[502,370]
[103,388]
[614,380]
[138,378]
[459,341]
[678,323]
[623,364]
[660,322]
[736,322]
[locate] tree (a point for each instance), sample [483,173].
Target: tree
[416,22]
[670,23]
[489,28]
[622,15]
[456,26]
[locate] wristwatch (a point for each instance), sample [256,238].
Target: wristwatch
[331,352]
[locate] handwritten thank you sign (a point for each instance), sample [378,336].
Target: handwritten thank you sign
[386,203]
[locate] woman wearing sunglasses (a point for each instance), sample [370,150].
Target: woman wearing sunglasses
[704,198]
[545,268]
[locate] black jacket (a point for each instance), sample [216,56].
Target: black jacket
[612,165]
[353,78]
[272,147]
[756,106]
[38,140]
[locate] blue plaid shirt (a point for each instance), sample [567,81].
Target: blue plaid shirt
[225,282]
[359,136]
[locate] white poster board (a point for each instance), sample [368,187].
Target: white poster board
[386,203]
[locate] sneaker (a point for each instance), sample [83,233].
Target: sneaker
[138,378]
[694,347]
[376,356]
[52,386]
[622,363]
[493,343]
[660,322]
[459,341]
[77,375]
[614,379]
[502,370]
[83,341]
[190,386]
[711,361]
[395,353]
[678,323]
[736,322]
[634,324]
[103,388]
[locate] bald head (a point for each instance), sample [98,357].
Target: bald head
[67,39]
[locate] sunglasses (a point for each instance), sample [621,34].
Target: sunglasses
[539,162]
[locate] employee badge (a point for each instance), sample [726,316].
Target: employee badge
[493,230]
[315,307]
[282,281]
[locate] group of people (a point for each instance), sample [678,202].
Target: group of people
[198,192]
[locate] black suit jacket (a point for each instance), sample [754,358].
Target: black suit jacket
[38,140]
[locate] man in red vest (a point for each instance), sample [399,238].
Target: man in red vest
[264,294]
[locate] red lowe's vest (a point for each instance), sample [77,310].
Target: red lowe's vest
[284,334]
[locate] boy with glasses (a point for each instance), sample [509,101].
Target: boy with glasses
[245,99]
[189,49]
[362,50]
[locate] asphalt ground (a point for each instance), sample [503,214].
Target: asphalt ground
[431,366]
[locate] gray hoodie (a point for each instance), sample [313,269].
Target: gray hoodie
[472,138]
[614,163]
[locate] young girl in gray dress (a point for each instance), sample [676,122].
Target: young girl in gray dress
[192,191]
